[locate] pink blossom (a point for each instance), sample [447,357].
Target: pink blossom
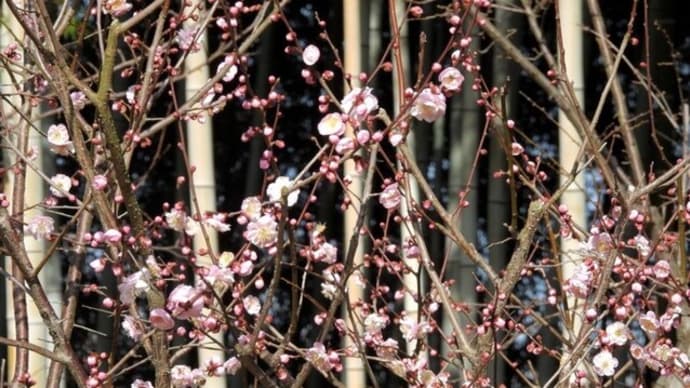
[161,320]
[649,322]
[275,190]
[78,100]
[116,7]
[374,323]
[213,367]
[662,269]
[429,106]
[60,185]
[412,329]
[40,227]
[218,222]
[395,138]
[331,124]
[262,232]
[604,363]
[580,283]
[228,65]
[320,358]
[310,55]
[344,145]
[326,253]
[99,183]
[98,265]
[363,136]
[451,79]
[112,236]
[138,383]
[58,137]
[390,197]
[183,376]
[219,276]
[617,333]
[185,302]
[133,286]
[251,208]
[252,305]
[387,349]
[329,286]
[132,328]
[232,365]
[176,219]
[188,38]
[359,103]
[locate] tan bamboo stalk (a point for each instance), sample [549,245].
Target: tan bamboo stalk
[569,141]
[354,372]
[199,138]
[31,194]
[401,57]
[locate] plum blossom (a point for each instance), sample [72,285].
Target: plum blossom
[252,305]
[232,365]
[58,137]
[329,287]
[161,319]
[78,100]
[139,383]
[580,284]
[132,328]
[230,68]
[219,276]
[344,145]
[617,333]
[310,55]
[99,182]
[359,103]
[275,190]
[262,232]
[600,244]
[188,38]
[185,302]
[323,360]
[451,79]
[648,322]
[176,219]
[374,323]
[326,253]
[183,376]
[387,349]
[604,363]
[112,236]
[642,245]
[331,124]
[116,7]
[412,329]
[390,197]
[251,208]
[134,285]
[429,106]
[662,269]
[213,367]
[40,227]
[60,184]
[191,226]
[217,222]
